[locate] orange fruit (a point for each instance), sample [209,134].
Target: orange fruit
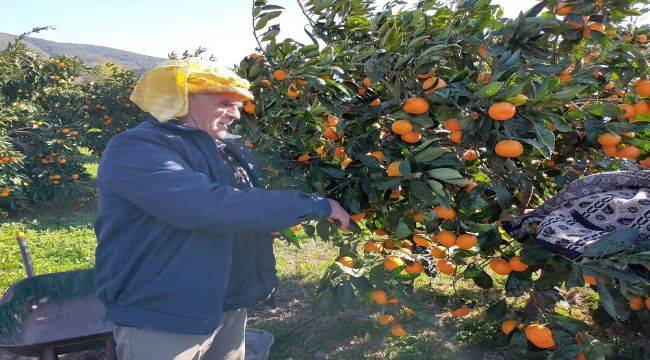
[346,261]
[647,303]
[407,244]
[437,253]
[610,151]
[580,356]
[415,105]
[303,159]
[446,239]
[609,86]
[74,177]
[416,268]
[339,152]
[641,108]
[379,296]
[589,280]
[540,336]
[292,91]
[249,108]
[358,217]
[428,84]
[565,77]
[445,267]
[636,303]
[411,137]
[375,102]
[482,51]
[642,38]
[643,87]
[628,111]
[419,217]
[378,155]
[629,152]
[549,163]
[395,194]
[367,82]
[508,326]
[444,212]
[500,266]
[456,137]
[345,162]
[609,139]
[392,262]
[502,111]
[385,319]
[401,127]
[370,246]
[460,312]
[470,155]
[466,241]
[248,144]
[426,75]
[453,125]
[470,186]
[393,169]
[563,9]
[361,91]
[509,148]
[397,330]
[516,264]
[330,134]
[393,301]
[596,26]
[483,77]
[421,240]
[645,163]
[332,120]
[279,75]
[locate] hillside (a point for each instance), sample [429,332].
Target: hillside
[90,54]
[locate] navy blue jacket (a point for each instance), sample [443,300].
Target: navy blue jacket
[174,234]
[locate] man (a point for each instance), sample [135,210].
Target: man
[184,224]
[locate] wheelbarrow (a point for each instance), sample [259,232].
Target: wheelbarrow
[51,314]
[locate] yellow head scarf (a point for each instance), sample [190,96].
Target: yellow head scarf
[162,91]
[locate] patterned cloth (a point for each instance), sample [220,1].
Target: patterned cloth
[586,210]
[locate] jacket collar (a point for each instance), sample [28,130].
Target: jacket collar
[231,141]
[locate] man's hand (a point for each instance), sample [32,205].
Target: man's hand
[339,214]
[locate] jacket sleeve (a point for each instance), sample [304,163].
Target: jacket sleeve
[155,178]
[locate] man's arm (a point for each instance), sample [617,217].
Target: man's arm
[153,177]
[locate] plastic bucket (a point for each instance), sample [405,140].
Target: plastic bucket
[258,344]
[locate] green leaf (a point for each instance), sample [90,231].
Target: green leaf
[324,302]
[323,229]
[429,154]
[483,280]
[498,310]
[517,284]
[570,324]
[264,19]
[449,176]
[613,242]
[488,90]
[616,307]
[291,237]
[402,230]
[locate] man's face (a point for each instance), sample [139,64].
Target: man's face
[222,108]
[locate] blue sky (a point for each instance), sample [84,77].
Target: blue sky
[158,27]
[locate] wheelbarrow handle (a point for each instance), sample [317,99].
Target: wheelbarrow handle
[27,260]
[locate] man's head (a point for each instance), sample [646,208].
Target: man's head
[212,112]
[198,92]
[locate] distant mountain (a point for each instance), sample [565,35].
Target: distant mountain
[90,54]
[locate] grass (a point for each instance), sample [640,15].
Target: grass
[61,238]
